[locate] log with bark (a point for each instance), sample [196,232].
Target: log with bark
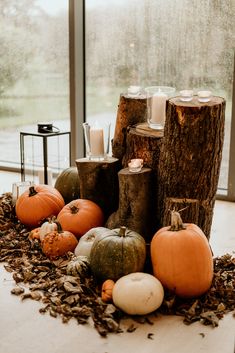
[190,157]
[135,203]
[131,110]
[99,182]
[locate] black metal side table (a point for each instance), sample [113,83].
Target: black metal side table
[45,138]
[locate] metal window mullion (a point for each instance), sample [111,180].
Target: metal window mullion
[231,170]
[77,76]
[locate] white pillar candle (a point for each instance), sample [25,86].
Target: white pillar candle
[97,142]
[158,109]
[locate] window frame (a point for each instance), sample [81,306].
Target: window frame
[77,76]
[78,96]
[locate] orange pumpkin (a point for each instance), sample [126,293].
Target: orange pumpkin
[58,243]
[107,290]
[34,234]
[79,216]
[38,203]
[181,258]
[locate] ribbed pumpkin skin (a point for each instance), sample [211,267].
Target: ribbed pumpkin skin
[46,202]
[79,216]
[67,183]
[113,256]
[182,260]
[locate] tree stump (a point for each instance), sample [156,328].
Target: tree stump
[131,110]
[135,202]
[143,142]
[99,182]
[190,157]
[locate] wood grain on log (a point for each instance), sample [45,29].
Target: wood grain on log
[99,182]
[191,154]
[143,142]
[189,207]
[135,202]
[131,110]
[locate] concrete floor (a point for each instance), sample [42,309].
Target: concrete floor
[24,330]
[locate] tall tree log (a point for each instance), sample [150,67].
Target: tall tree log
[135,202]
[191,155]
[99,182]
[131,110]
[145,143]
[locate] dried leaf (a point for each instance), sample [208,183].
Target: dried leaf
[210,318]
[150,336]
[70,287]
[131,328]
[17,290]
[31,295]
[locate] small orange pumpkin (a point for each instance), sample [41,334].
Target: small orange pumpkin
[58,243]
[79,216]
[38,203]
[181,258]
[107,290]
[34,234]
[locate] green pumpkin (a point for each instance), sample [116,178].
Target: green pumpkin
[116,253]
[67,183]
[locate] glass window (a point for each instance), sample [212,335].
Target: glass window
[185,44]
[34,70]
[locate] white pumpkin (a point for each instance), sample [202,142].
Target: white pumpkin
[138,293]
[86,241]
[47,227]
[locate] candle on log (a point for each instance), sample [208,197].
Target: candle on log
[97,141]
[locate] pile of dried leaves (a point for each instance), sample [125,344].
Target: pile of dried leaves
[69,297]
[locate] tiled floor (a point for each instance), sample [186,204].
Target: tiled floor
[24,330]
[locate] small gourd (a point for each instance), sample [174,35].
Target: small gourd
[86,242]
[107,290]
[48,227]
[79,267]
[34,233]
[58,243]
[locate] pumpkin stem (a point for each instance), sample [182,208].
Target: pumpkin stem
[122,231]
[176,221]
[74,209]
[52,219]
[59,227]
[32,191]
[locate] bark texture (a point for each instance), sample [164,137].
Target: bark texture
[191,155]
[131,110]
[99,182]
[135,202]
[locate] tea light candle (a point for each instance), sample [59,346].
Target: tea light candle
[186,95]
[97,142]
[158,111]
[135,165]
[133,90]
[204,96]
